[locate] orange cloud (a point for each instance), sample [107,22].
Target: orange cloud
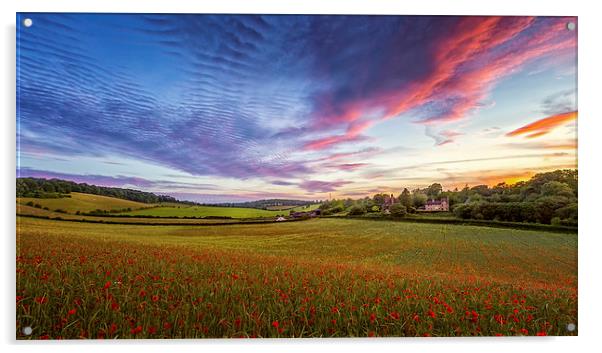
[545,125]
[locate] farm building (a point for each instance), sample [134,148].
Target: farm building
[437,205]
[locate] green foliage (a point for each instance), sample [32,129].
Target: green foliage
[434,190]
[357,210]
[406,198]
[419,199]
[556,188]
[398,210]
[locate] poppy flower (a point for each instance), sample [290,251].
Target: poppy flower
[275,324]
[41,300]
[155,298]
[136,330]
[542,333]
[72,312]
[107,285]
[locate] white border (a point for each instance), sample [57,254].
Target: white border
[589,142]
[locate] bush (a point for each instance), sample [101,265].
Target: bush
[546,206]
[463,211]
[357,210]
[398,210]
[569,212]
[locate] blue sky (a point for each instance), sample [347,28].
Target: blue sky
[228,107]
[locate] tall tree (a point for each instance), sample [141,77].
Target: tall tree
[434,190]
[406,198]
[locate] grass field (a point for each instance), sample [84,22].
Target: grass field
[323,277]
[84,203]
[204,211]
[24,210]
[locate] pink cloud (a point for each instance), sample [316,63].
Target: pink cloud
[322,186]
[467,62]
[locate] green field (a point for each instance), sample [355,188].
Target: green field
[215,211]
[321,277]
[84,203]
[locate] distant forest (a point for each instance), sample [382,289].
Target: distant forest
[55,188]
[263,204]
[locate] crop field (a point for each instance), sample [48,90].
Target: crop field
[315,278]
[215,211]
[24,210]
[84,203]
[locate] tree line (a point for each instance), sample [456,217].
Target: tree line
[548,198]
[264,204]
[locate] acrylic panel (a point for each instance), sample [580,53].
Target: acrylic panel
[295,176]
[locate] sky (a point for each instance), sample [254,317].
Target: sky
[221,108]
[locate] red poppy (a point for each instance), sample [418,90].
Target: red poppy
[72,312]
[142,293]
[107,285]
[276,324]
[372,317]
[136,330]
[152,330]
[114,306]
[542,333]
[112,328]
[155,298]
[524,331]
[41,300]
[334,310]
[432,314]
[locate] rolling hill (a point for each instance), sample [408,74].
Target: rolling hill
[83,203]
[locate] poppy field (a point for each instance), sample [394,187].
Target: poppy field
[316,278]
